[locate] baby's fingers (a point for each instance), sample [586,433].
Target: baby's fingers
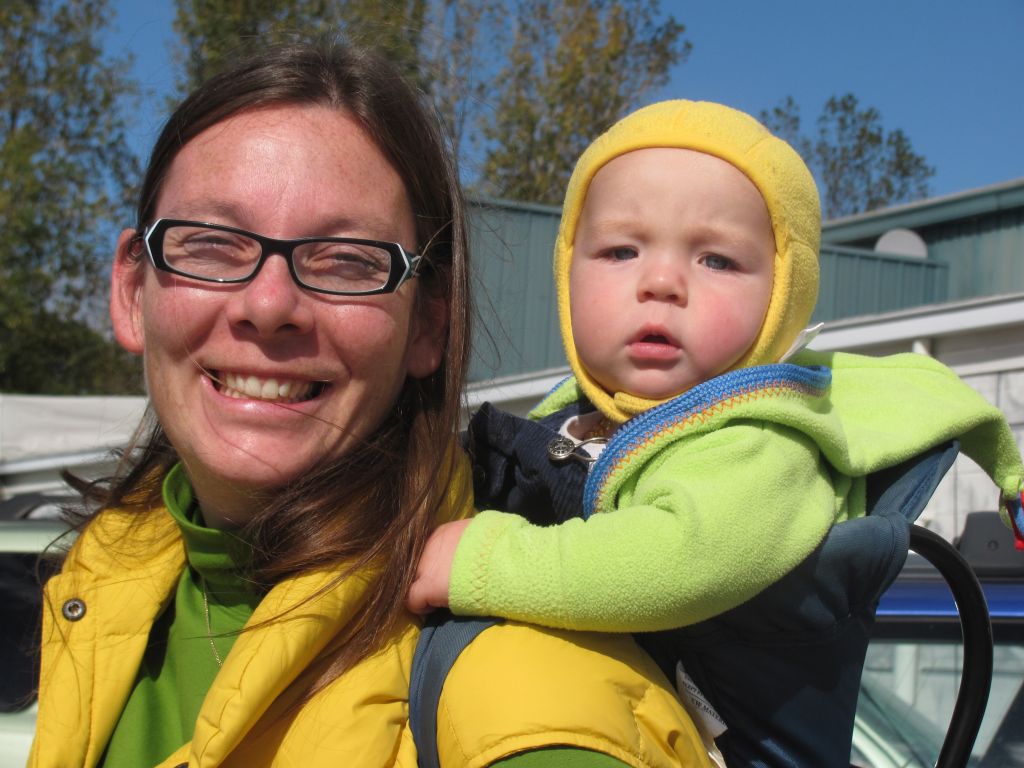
[433,573]
[423,597]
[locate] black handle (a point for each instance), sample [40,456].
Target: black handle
[976,625]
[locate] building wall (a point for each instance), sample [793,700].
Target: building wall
[517,320]
[985,254]
[966,488]
[856,281]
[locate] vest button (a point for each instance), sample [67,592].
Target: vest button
[73,609]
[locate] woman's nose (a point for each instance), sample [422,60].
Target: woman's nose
[661,279]
[271,303]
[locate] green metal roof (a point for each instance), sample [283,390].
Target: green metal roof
[979,235]
[856,281]
[865,228]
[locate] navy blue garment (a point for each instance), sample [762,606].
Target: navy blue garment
[512,471]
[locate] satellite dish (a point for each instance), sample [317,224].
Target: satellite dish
[902,242]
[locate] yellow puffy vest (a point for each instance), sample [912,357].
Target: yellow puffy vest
[515,688]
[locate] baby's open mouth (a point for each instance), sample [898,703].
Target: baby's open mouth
[248,387]
[655,338]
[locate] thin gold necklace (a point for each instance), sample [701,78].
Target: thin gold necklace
[603,428]
[206,615]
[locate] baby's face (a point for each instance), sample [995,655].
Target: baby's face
[671,271]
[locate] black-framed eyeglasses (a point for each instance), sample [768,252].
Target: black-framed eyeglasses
[342,266]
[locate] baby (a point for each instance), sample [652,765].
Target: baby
[686,269]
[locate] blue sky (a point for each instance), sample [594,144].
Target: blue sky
[947,72]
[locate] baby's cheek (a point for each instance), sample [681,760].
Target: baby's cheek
[733,326]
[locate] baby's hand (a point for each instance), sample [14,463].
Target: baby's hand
[434,572]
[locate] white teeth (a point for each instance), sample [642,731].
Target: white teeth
[253,388]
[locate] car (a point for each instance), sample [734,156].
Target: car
[21,570]
[914,663]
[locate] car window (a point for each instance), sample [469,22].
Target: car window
[913,669]
[908,692]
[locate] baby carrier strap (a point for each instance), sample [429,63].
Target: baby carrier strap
[442,639]
[783,669]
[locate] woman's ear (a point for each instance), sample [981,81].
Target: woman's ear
[429,334]
[126,291]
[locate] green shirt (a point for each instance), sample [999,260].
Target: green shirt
[209,607]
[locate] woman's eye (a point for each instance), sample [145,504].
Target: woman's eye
[209,245]
[346,260]
[211,240]
[717,263]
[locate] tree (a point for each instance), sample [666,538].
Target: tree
[573,69]
[65,172]
[439,44]
[859,165]
[214,33]
[56,355]
[460,36]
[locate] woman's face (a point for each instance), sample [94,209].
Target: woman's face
[225,363]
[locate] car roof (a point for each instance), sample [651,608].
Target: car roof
[919,604]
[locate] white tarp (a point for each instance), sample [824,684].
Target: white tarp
[35,426]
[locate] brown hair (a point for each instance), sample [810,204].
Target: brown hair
[372,508]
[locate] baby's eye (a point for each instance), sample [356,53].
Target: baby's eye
[716,262]
[622,253]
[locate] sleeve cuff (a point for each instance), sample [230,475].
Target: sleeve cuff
[468,588]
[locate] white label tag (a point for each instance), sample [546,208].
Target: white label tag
[707,721]
[805,337]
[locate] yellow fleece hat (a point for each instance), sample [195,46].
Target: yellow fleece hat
[780,176]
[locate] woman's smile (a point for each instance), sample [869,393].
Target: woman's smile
[273,389]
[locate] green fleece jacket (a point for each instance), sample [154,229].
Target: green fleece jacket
[702,502]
